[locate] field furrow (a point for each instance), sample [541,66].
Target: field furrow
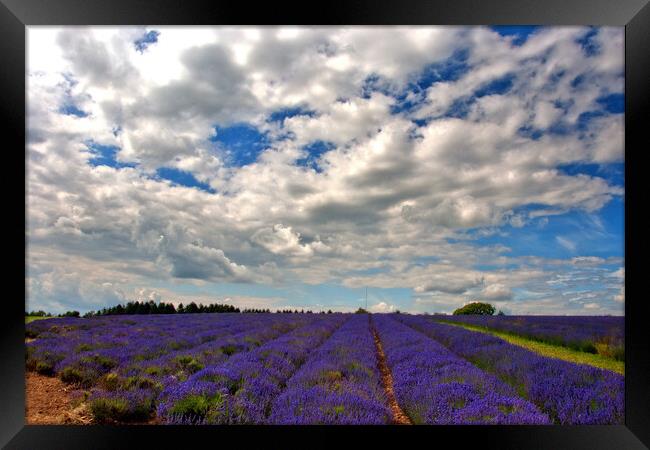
[338,384]
[434,386]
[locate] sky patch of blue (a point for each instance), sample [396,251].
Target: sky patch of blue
[372,83]
[521,33]
[530,132]
[600,233]
[146,40]
[584,119]
[451,69]
[499,86]
[314,151]
[315,297]
[587,42]
[105,155]
[70,109]
[280,115]
[241,142]
[183,178]
[613,173]
[612,103]
[459,108]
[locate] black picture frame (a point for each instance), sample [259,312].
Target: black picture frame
[16,15]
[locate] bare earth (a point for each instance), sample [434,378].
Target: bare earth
[399,418]
[48,403]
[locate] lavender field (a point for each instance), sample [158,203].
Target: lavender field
[594,334]
[313,369]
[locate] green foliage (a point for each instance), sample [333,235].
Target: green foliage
[254,341]
[199,407]
[78,376]
[141,382]
[104,362]
[83,348]
[476,308]
[119,410]
[31,334]
[152,307]
[39,313]
[44,368]
[361,311]
[153,371]
[188,363]
[228,349]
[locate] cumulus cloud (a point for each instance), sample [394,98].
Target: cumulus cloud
[382,307]
[496,291]
[413,159]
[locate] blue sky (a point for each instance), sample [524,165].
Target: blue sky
[296,167]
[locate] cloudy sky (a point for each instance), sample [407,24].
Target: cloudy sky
[294,167]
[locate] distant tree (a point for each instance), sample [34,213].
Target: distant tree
[180,309]
[397,311]
[329,311]
[192,308]
[361,311]
[70,314]
[501,313]
[475,308]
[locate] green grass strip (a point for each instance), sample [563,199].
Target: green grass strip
[552,351]
[33,318]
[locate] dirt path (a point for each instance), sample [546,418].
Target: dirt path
[48,402]
[399,417]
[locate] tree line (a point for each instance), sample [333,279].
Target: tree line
[152,307]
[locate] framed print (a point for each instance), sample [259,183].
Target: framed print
[380,221]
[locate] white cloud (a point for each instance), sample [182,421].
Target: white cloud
[591,306]
[497,291]
[566,243]
[388,192]
[382,307]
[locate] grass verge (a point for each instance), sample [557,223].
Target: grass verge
[552,351]
[33,318]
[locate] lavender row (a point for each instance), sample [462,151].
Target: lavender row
[604,335]
[129,337]
[569,393]
[242,389]
[125,380]
[339,383]
[434,386]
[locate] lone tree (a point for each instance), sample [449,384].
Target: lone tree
[478,308]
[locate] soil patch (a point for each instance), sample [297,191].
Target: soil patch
[399,417]
[48,402]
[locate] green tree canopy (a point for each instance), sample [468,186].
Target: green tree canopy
[478,308]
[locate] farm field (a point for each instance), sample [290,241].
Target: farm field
[307,369]
[550,350]
[600,335]
[29,319]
